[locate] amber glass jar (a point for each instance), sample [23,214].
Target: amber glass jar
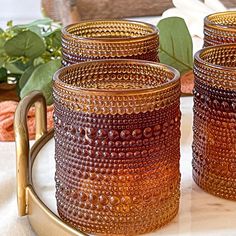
[93,40]
[117,134]
[220,28]
[214,144]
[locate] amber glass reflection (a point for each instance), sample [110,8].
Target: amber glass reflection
[214,145]
[117,133]
[220,28]
[93,40]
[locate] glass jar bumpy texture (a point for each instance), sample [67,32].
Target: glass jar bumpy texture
[117,134]
[94,40]
[220,28]
[214,159]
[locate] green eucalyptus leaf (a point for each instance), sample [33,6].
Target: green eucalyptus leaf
[40,22]
[16,67]
[44,21]
[10,23]
[176,47]
[41,79]
[26,43]
[38,61]
[54,38]
[2,60]
[25,76]
[36,29]
[3,75]
[2,42]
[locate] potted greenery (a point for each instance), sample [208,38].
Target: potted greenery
[29,56]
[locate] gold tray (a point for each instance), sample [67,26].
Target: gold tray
[200,213]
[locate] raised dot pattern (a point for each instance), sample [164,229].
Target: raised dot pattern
[114,180]
[113,75]
[117,171]
[85,41]
[219,28]
[214,161]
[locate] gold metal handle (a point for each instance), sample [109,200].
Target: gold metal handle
[22,141]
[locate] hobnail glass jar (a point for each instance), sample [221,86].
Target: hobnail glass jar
[109,39]
[117,135]
[214,159]
[220,28]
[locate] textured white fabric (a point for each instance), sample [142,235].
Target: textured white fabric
[10,224]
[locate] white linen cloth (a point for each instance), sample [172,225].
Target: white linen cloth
[10,223]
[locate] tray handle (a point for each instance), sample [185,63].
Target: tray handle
[22,141]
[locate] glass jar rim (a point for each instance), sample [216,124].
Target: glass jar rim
[212,24]
[155,31]
[198,57]
[171,82]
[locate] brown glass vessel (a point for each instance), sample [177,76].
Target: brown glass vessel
[109,39]
[117,133]
[220,28]
[214,160]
